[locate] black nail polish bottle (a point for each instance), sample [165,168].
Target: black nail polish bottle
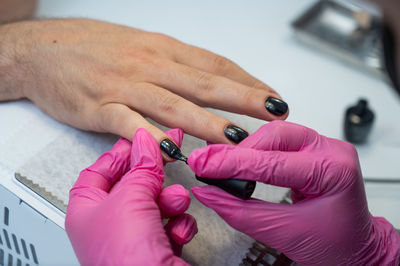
[358,122]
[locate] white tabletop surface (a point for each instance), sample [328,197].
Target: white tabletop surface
[257,35]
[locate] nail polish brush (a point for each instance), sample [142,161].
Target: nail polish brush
[240,188]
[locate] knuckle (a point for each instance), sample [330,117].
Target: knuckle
[150,51]
[205,82]
[221,64]
[105,117]
[351,152]
[260,85]
[137,58]
[248,97]
[169,104]
[349,147]
[145,59]
[347,163]
[106,121]
[163,38]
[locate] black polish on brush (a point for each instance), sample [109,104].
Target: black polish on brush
[235,134]
[240,188]
[276,106]
[172,150]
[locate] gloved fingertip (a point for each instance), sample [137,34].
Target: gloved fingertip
[145,149]
[207,161]
[173,200]
[197,159]
[182,228]
[176,134]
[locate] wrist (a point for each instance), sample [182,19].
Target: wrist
[12,58]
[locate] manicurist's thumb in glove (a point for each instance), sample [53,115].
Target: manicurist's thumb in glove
[329,222]
[116,208]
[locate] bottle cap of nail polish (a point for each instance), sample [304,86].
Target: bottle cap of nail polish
[358,122]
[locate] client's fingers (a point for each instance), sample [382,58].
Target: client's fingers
[121,120]
[173,200]
[209,90]
[172,110]
[205,60]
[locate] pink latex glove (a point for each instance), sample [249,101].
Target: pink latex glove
[329,223]
[116,207]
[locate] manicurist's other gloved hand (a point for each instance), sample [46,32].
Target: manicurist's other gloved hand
[329,222]
[116,207]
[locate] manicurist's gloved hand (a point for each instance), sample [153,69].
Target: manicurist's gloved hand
[116,207]
[329,222]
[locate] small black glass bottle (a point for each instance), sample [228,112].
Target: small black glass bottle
[358,122]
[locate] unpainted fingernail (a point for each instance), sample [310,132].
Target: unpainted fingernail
[235,134]
[276,106]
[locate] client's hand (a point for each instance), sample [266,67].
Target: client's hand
[104,77]
[329,222]
[116,207]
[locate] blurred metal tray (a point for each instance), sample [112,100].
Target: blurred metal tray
[345,30]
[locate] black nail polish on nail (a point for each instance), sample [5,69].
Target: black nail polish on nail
[172,150]
[276,106]
[234,133]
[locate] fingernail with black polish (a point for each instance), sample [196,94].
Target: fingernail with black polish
[172,150]
[276,106]
[234,133]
